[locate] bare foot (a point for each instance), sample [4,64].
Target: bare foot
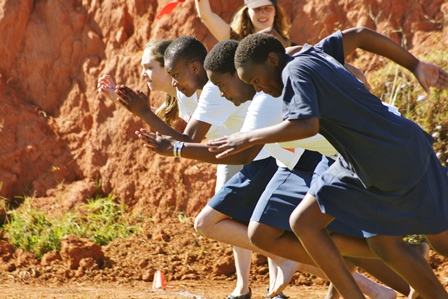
[372,289]
[285,271]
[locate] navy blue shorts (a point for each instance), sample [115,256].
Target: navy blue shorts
[239,196]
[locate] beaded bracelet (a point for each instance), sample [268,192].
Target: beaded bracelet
[177,149]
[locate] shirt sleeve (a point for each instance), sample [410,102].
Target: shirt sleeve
[299,93]
[333,45]
[212,108]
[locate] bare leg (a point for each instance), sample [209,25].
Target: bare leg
[308,223]
[272,273]
[242,256]
[439,242]
[381,271]
[242,266]
[372,289]
[411,265]
[423,249]
[271,239]
[368,287]
[277,274]
[220,227]
[267,237]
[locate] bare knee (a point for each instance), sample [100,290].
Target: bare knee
[261,235]
[199,224]
[387,247]
[295,222]
[307,217]
[205,220]
[439,242]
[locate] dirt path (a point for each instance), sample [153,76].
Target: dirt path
[184,289]
[197,267]
[181,290]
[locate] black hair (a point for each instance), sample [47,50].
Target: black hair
[221,57]
[256,48]
[186,48]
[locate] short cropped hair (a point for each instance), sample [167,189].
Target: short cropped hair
[256,48]
[186,48]
[221,58]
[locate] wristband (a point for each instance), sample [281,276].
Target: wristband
[177,149]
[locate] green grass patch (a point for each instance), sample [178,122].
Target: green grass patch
[100,220]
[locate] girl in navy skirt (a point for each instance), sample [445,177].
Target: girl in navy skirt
[387,181]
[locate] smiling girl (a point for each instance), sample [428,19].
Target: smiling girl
[254,16]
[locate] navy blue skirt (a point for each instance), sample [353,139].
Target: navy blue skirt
[285,191]
[422,209]
[239,196]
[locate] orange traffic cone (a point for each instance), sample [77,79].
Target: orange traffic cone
[159,281]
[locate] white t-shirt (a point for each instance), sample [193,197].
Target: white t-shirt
[187,105]
[266,111]
[223,115]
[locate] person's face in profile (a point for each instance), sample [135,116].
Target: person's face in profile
[231,87]
[156,76]
[184,75]
[264,76]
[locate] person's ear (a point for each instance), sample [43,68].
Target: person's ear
[273,59]
[195,67]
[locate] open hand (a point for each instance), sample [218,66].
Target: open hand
[135,101]
[229,145]
[161,144]
[106,86]
[431,75]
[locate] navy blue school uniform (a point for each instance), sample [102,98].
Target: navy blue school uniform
[387,179]
[239,195]
[286,190]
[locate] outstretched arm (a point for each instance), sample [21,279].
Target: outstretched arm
[138,104]
[285,131]
[217,26]
[427,74]
[164,145]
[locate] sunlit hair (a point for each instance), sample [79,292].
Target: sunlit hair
[220,58]
[168,110]
[241,25]
[186,48]
[256,48]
